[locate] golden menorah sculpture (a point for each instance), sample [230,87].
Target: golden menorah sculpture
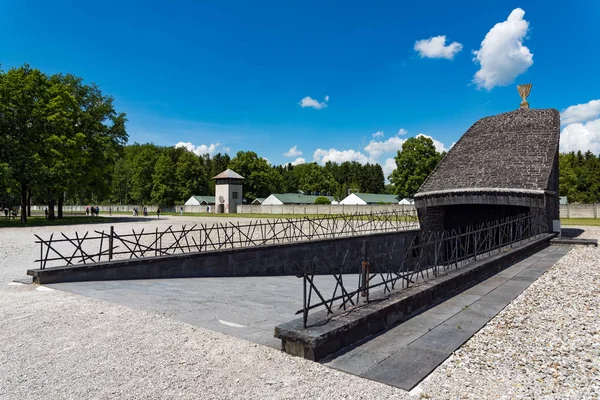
[524,91]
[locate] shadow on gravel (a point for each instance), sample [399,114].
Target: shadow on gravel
[571,232]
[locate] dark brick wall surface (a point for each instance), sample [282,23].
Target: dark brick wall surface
[270,260]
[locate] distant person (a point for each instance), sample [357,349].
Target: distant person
[181,210]
[145,211]
[6,212]
[46,213]
[110,211]
[97,211]
[158,212]
[87,211]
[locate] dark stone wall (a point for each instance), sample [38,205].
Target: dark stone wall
[269,260]
[458,216]
[461,215]
[320,340]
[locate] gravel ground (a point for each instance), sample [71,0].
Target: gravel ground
[60,345]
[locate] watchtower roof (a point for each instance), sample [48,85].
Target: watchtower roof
[228,174]
[514,151]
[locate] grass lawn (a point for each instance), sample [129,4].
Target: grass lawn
[580,221]
[42,221]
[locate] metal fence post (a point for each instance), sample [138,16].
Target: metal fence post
[305,308]
[110,242]
[475,243]
[365,270]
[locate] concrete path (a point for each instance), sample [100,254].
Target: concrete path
[405,355]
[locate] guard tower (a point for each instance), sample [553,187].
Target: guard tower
[228,191]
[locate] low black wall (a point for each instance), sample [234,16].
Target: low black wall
[319,340]
[268,260]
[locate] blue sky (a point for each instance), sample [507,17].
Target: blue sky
[235,75]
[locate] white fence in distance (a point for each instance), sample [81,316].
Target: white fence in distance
[566,210]
[580,210]
[322,209]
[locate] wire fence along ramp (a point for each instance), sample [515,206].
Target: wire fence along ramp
[100,246]
[428,255]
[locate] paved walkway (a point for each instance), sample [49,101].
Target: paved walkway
[405,355]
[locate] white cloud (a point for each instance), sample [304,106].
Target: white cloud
[372,153]
[582,137]
[388,167]
[227,149]
[435,47]
[339,156]
[375,149]
[402,132]
[581,113]
[310,102]
[502,56]
[439,146]
[299,161]
[293,152]
[378,134]
[211,149]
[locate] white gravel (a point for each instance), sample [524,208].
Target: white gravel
[57,345]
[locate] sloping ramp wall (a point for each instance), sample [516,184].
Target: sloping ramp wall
[268,260]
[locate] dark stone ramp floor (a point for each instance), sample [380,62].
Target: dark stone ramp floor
[248,308]
[244,307]
[406,354]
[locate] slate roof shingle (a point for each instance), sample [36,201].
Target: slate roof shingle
[514,150]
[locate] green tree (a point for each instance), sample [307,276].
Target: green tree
[22,123]
[164,190]
[122,174]
[261,179]
[191,177]
[414,163]
[315,179]
[322,200]
[372,179]
[143,169]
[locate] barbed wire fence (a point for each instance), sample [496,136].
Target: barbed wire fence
[98,246]
[426,256]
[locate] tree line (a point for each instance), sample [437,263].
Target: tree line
[579,177]
[146,173]
[63,142]
[164,175]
